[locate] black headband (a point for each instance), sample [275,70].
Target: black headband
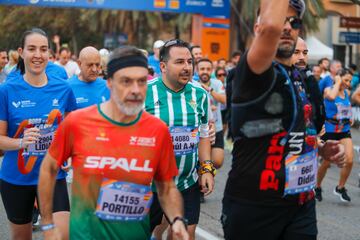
[123,62]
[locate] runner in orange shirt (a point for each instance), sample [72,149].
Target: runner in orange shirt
[117,150]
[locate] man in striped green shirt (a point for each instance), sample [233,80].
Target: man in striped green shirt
[184,108]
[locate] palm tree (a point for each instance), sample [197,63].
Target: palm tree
[244,15]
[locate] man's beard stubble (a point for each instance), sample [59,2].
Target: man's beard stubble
[286,51]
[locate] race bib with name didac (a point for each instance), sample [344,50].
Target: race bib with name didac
[301,171]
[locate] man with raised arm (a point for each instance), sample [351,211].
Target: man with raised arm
[269,191]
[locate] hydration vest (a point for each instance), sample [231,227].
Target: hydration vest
[264,115]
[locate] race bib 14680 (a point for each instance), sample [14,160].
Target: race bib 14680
[123,201]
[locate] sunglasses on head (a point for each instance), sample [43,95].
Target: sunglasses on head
[295,22]
[171,43]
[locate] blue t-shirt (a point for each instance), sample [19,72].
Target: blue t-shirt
[354,82]
[89,93]
[325,82]
[24,106]
[154,64]
[51,69]
[338,113]
[196,77]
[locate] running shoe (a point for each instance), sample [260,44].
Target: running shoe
[318,193]
[35,216]
[36,219]
[342,193]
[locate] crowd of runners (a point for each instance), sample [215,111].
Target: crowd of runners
[142,136]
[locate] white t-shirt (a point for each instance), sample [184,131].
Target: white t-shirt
[71,68]
[218,88]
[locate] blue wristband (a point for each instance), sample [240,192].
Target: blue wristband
[47,227]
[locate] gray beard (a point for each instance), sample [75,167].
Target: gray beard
[128,111]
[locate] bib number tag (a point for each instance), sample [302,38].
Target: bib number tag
[185,139]
[343,111]
[123,201]
[40,147]
[301,172]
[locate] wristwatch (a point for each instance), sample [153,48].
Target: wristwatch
[178,218]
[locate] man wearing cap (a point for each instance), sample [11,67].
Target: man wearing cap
[154,61]
[269,191]
[117,150]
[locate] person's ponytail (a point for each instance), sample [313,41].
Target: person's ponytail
[21,66]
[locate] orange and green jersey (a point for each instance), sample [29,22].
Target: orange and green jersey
[114,164]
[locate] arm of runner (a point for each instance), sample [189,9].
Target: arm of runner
[68,165]
[356,96]
[212,133]
[31,135]
[268,30]
[171,202]
[56,40]
[333,151]
[221,98]
[48,172]
[331,93]
[206,179]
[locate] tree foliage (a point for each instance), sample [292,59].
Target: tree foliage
[245,16]
[82,27]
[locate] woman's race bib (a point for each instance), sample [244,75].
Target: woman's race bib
[40,147]
[343,111]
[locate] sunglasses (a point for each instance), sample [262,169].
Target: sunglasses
[295,22]
[221,75]
[171,43]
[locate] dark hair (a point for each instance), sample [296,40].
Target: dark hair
[151,71]
[64,49]
[323,59]
[52,53]
[165,50]
[205,60]
[125,51]
[353,67]
[219,69]
[21,66]
[344,71]
[236,53]
[193,47]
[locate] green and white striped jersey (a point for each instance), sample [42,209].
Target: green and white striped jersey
[184,112]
